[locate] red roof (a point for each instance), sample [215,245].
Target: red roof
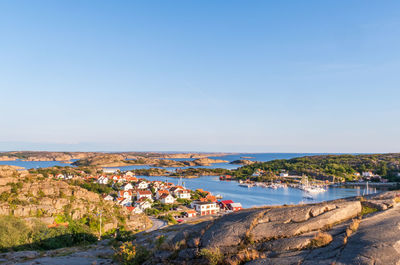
[130,208]
[122,192]
[144,192]
[227,201]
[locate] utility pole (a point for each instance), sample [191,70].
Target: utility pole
[100,214]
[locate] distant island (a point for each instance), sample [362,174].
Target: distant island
[119,159]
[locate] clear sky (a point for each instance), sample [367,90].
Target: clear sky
[254,76]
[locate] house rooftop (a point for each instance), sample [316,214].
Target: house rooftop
[202,203]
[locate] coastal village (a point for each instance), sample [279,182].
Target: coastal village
[173,203]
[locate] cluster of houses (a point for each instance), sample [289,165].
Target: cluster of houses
[137,194]
[370,176]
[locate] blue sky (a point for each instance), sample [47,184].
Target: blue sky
[240,76]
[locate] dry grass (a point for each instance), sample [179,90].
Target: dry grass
[321,239]
[353,227]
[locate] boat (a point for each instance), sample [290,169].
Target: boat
[313,189]
[246,185]
[308,197]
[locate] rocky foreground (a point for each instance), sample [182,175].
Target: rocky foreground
[332,232]
[345,231]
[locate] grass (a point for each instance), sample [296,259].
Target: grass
[367,210]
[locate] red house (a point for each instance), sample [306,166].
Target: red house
[224,205]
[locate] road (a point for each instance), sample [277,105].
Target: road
[157,224]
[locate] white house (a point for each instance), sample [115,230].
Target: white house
[284,174]
[183,194]
[110,170]
[143,185]
[129,173]
[133,209]
[102,180]
[125,194]
[191,213]
[167,199]
[128,186]
[367,174]
[60,176]
[143,194]
[205,208]
[125,201]
[159,193]
[175,190]
[143,204]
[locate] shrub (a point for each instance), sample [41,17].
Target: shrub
[214,257]
[367,210]
[13,232]
[169,218]
[321,239]
[130,254]
[160,240]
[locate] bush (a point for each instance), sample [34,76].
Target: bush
[160,240]
[16,235]
[13,232]
[367,210]
[214,257]
[169,218]
[321,239]
[131,255]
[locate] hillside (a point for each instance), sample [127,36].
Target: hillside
[32,199]
[339,167]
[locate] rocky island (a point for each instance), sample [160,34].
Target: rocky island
[242,162]
[120,160]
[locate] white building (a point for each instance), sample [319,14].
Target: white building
[167,199]
[102,180]
[136,210]
[284,174]
[129,173]
[159,193]
[125,194]
[143,204]
[183,194]
[143,185]
[367,174]
[110,170]
[143,194]
[128,186]
[125,201]
[205,208]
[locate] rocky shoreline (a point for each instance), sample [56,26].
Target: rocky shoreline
[333,232]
